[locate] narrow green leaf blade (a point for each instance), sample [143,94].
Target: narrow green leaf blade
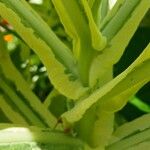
[141,105]
[128,129]
[126,84]
[78,22]
[120,40]
[131,141]
[111,13]
[11,114]
[12,74]
[56,71]
[140,146]
[18,102]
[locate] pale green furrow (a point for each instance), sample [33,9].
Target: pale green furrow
[30,33]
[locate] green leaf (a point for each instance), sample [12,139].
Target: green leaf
[95,127]
[78,22]
[84,126]
[116,46]
[30,19]
[48,47]
[131,134]
[131,141]
[102,129]
[111,13]
[96,11]
[140,146]
[99,11]
[115,94]
[11,73]
[98,41]
[140,104]
[128,129]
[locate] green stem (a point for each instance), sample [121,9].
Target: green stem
[11,114]
[104,8]
[20,104]
[102,128]
[119,19]
[111,13]
[11,73]
[31,20]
